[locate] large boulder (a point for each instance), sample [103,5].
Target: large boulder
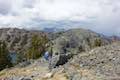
[58,60]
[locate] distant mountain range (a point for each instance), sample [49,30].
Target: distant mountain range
[115,38]
[53,29]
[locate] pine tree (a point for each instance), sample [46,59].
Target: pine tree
[4,56]
[37,47]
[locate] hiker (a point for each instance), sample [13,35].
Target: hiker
[48,53]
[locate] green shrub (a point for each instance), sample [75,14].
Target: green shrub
[97,42]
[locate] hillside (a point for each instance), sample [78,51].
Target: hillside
[66,43]
[101,63]
[18,39]
[71,42]
[77,54]
[75,41]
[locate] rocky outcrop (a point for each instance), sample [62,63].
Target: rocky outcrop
[59,60]
[104,61]
[101,63]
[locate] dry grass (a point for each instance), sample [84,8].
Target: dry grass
[30,70]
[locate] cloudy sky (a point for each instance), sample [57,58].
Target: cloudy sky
[99,15]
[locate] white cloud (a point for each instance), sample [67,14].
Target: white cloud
[66,9]
[103,15]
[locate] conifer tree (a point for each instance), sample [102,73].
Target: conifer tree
[37,47]
[4,56]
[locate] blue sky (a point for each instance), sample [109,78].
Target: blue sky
[99,15]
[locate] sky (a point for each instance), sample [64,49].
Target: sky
[102,16]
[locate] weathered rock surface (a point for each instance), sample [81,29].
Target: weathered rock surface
[102,63]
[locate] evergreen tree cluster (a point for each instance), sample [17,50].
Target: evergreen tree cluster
[4,56]
[37,47]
